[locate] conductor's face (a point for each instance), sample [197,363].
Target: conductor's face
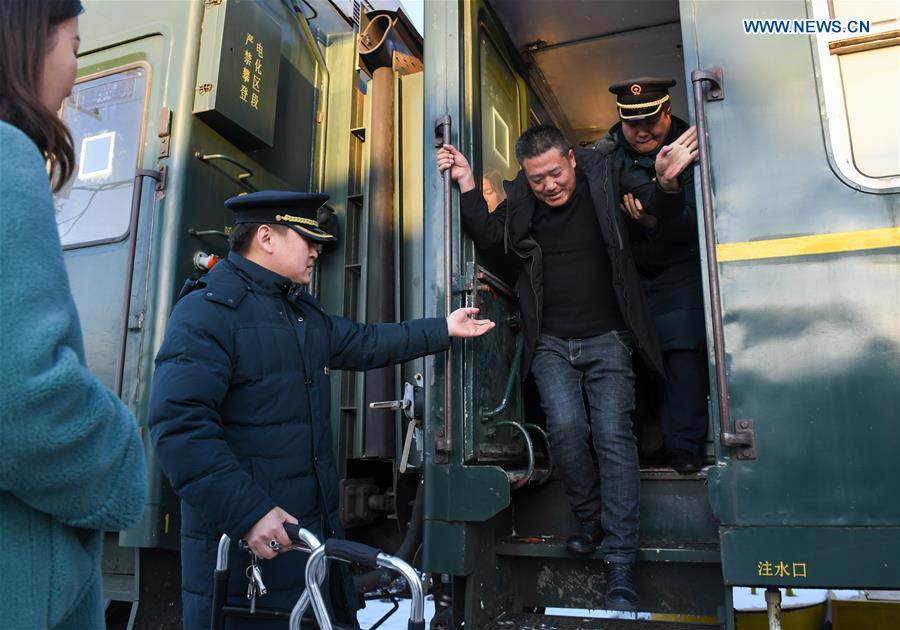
[551,176]
[294,256]
[647,134]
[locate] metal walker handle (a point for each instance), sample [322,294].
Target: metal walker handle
[367,557]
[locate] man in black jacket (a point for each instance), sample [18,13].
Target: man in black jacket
[667,256]
[240,407]
[583,311]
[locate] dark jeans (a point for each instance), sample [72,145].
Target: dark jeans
[685,415]
[600,367]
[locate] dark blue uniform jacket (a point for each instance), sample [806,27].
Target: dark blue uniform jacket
[240,418]
[667,257]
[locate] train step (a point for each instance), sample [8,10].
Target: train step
[526,621]
[650,551]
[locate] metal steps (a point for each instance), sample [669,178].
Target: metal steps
[525,621]
[650,551]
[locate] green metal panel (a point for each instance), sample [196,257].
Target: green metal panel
[448,555]
[443,95]
[812,557]
[465,493]
[340,54]
[812,342]
[493,393]
[409,221]
[237,73]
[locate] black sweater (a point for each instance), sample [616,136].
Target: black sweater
[579,300]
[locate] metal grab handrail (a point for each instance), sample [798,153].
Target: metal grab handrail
[529,447]
[240,177]
[510,380]
[443,442]
[743,436]
[546,438]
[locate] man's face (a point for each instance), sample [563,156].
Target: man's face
[293,256]
[648,134]
[551,176]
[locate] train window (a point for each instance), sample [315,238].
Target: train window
[860,95]
[499,122]
[105,114]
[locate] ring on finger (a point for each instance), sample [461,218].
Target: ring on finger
[275,545]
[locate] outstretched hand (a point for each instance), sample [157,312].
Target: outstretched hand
[673,158]
[460,170]
[460,324]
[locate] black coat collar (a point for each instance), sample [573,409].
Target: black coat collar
[265,280]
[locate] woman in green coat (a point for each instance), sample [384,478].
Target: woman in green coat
[72,462]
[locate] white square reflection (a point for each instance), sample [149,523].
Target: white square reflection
[501,136]
[97,156]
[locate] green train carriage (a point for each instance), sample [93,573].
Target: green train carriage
[802,197]
[799,186]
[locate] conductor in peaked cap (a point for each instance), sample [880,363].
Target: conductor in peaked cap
[240,410]
[642,98]
[667,255]
[296,210]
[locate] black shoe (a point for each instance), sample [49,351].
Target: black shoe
[620,591]
[584,541]
[685,462]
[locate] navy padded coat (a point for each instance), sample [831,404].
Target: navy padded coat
[240,419]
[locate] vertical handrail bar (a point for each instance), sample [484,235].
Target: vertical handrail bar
[442,128]
[699,78]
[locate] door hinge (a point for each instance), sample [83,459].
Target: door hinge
[164,130]
[136,321]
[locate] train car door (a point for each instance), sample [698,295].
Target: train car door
[112,114]
[802,181]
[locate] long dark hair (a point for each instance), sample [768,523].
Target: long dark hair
[27,31]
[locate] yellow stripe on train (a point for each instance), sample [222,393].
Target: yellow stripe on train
[807,245]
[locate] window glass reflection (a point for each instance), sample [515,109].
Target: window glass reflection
[105,116]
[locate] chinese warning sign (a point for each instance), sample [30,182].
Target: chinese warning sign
[238,71]
[252,71]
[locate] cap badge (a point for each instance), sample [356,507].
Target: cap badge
[635,89]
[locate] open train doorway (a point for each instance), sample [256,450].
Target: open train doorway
[569,53]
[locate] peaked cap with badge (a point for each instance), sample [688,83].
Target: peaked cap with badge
[641,98]
[296,210]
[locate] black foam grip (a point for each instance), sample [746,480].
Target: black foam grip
[293,532]
[416,625]
[357,553]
